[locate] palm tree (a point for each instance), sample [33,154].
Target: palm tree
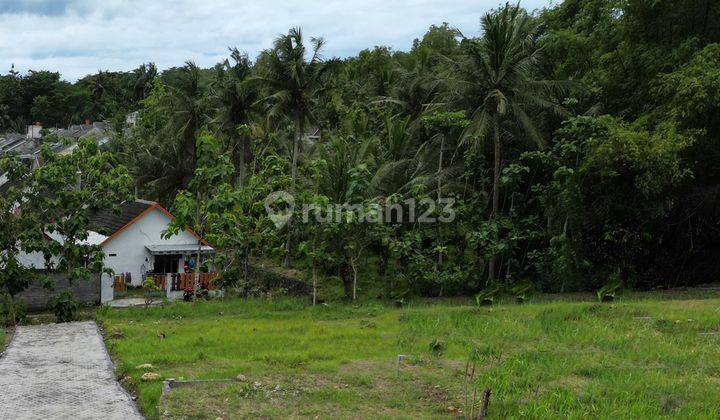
[499,76]
[164,154]
[416,87]
[344,155]
[398,166]
[142,81]
[187,107]
[292,80]
[234,98]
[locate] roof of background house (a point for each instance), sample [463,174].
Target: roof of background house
[15,142]
[93,238]
[108,222]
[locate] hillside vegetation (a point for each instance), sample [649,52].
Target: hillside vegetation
[564,149]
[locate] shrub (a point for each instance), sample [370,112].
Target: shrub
[523,290]
[151,291]
[65,307]
[608,292]
[188,294]
[488,295]
[437,347]
[12,312]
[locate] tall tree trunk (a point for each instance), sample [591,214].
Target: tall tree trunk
[298,119]
[298,122]
[346,281]
[196,275]
[314,282]
[439,193]
[241,162]
[496,190]
[353,265]
[382,264]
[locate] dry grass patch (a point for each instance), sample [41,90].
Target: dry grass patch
[368,389]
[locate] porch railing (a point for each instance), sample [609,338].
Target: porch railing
[172,282]
[182,281]
[160,280]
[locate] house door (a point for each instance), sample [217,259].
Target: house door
[167,263]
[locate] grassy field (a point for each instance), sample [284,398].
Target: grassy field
[645,356]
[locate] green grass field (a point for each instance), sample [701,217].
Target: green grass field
[645,356]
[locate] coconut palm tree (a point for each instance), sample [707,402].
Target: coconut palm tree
[188,109]
[141,83]
[345,157]
[396,158]
[164,156]
[292,78]
[498,79]
[234,98]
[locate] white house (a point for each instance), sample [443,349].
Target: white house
[134,247]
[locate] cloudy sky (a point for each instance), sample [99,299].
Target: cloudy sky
[78,37]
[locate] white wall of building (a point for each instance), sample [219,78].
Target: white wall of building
[126,253]
[35,260]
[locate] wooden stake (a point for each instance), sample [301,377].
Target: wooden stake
[485,404]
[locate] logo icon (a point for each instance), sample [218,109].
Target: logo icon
[279,206]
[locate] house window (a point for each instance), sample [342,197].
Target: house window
[112,255]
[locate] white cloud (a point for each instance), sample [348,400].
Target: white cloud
[77,37]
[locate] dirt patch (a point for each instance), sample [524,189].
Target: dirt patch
[575,384]
[364,388]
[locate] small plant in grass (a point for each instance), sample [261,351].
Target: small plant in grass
[150,291]
[609,292]
[65,307]
[476,407]
[102,311]
[437,347]
[522,290]
[399,297]
[189,294]
[488,296]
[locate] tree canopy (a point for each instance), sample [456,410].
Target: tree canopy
[579,143]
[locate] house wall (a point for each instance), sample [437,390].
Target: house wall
[35,260]
[126,253]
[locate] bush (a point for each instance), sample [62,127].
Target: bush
[12,312]
[523,290]
[437,347]
[151,291]
[65,307]
[608,292]
[488,296]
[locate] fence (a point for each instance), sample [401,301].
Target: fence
[172,283]
[119,284]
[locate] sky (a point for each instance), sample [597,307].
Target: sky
[80,37]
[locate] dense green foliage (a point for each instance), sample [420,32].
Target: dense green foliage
[580,145]
[46,212]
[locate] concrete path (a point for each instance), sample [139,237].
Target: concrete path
[61,371]
[131,303]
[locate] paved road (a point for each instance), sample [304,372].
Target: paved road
[61,371]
